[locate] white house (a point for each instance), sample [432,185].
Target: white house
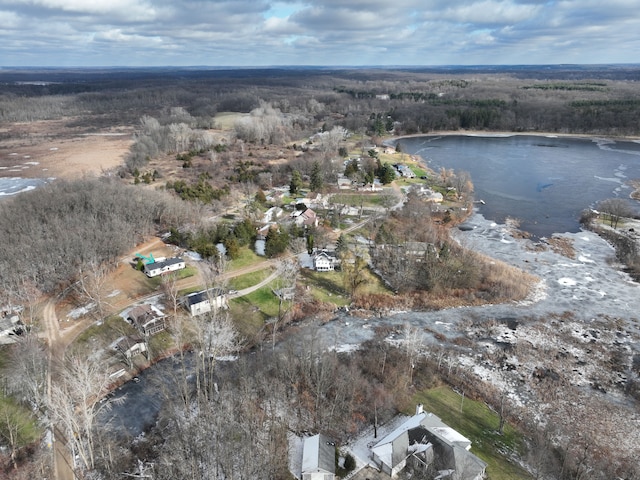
[323,262]
[130,346]
[420,440]
[318,458]
[163,266]
[205,301]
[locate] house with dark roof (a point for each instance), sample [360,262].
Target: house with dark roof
[318,458]
[323,261]
[425,440]
[163,266]
[205,301]
[147,319]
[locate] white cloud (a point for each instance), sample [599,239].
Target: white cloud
[256,32]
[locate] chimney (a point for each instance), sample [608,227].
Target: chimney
[419,409]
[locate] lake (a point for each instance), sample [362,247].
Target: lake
[543,181]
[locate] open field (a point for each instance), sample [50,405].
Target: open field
[46,149]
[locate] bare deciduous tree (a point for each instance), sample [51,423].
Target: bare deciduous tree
[75,402]
[92,286]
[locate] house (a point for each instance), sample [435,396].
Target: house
[205,301]
[147,319]
[130,346]
[405,171]
[423,440]
[318,458]
[305,217]
[163,266]
[272,215]
[323,261]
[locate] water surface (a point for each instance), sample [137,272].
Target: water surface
[545,182]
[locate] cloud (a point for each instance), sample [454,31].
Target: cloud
[335,32]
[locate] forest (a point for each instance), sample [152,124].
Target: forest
[201,183]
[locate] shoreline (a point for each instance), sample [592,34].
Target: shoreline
[506,134]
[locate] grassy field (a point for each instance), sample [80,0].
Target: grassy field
[326,287]
[358,199]
[249,279]
[19,420]
[479,424]
[226,120]
[101,335]
[246,258]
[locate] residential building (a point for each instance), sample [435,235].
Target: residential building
[205,301]
[425,440]
[318,458]
[323,261]
[305,217]
[131,345]
[147,319]
[163,266]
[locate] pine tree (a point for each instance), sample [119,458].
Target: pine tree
[296,182]
[316,177]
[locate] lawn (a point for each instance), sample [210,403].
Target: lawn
[326,287]
[246,258]
[329,286]
[99,336]
[19,420]
[357,199]
[250,312]
[249,279]
[479,424]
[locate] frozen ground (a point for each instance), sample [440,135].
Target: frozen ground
[591,286]
[562,356]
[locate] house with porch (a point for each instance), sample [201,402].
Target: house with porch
[323,261]
[147,319]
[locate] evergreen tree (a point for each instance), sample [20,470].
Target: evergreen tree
[296,182]
[276,242]
[310,243]
[316,177]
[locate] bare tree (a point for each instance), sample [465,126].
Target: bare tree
[171,290]
[26,371]
[215,336]
[413,343]
[92,286]
[354,267]
[75,402]
[615,208]
[285,291]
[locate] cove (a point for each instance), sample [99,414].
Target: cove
[543,181]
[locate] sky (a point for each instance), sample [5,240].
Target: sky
[139,33]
